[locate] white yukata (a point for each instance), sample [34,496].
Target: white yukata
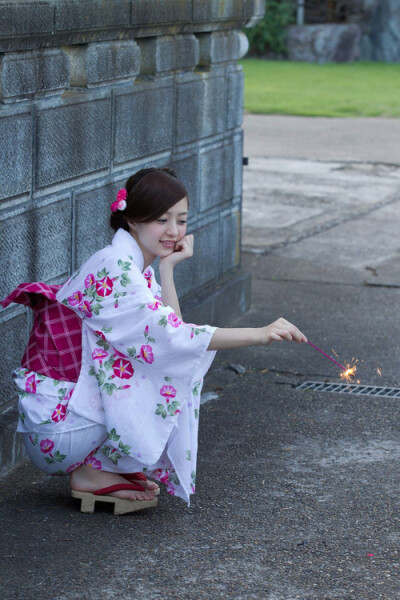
[135,406]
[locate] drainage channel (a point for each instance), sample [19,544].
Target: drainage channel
[350,388]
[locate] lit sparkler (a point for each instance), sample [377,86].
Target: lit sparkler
[348,370]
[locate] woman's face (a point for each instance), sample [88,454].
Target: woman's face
[158,238]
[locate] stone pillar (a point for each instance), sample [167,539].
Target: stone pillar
[90,92]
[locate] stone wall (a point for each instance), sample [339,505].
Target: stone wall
[90,92]
[371,32]
[381,39]
[325,43]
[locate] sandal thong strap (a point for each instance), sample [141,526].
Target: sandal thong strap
[138,476]
[119,486]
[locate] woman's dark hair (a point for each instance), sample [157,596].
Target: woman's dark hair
[151,192]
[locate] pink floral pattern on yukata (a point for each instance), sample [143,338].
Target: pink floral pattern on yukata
[122,368]
[46,446]
[168,391]
[169,478]
[89,280]
[174,320]
[154,305]
[93,462]
[104,287]
[98,287]
[195,330]
[59,414]
[148,276]
[30,384]
[146,352]
[99,354]
[114,365]
[169,409]
[61,410]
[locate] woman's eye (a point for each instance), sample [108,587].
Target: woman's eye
[161,220]
[182,222]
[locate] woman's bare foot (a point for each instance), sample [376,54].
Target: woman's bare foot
[146,483]
[87,479]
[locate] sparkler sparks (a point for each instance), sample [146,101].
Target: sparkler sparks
[348,370]
[351,368]
[348,373]
[379,371]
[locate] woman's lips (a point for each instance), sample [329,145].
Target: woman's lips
[168,244]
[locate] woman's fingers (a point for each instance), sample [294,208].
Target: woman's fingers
[283,330]
[185,245]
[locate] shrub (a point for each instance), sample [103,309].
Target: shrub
[269,35]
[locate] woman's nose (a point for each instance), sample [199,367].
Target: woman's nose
[172,228]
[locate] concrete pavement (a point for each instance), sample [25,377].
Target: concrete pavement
[323,138]
[297,491]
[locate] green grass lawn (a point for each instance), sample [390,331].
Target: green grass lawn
[362,89]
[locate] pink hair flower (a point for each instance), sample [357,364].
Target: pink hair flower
[120,202]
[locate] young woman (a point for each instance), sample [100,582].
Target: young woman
[110,382]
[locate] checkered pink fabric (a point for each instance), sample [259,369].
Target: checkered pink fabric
[54,347]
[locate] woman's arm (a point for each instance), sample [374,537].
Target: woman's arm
[279,330]
[169,295]
[184,250]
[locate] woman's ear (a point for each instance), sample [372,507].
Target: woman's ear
[131,225]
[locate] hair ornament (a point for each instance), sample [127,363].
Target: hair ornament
[120,202]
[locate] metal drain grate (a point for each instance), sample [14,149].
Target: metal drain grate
[350,388]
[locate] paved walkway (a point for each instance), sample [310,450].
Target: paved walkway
[322,138]
[297,491]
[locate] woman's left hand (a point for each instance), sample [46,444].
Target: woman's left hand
[183,250]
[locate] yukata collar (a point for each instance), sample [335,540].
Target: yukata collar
[124,242]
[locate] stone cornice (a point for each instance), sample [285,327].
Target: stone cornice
[30,24]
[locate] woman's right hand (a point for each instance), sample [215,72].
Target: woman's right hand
[280,330]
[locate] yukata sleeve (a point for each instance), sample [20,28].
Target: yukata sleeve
[125,313]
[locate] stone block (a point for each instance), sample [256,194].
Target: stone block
[92,220]
[219,304]
[206,265]
[234,97]
[112,61]
[73,140]
[143,121]
[147,12]
[185,272]
[189,109]
[26,18]
[237,166]
[14,336]
[24,73]
[232,297]
[230,233]
[324,43]
[217,9]
[16,154]
[101,62]
[200,110]
[73,15]
[219,47]
[385,31]
[211,177]
[35,244]
[214,106]
[168,53]
[187,169]
[12,450]
[228,169]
